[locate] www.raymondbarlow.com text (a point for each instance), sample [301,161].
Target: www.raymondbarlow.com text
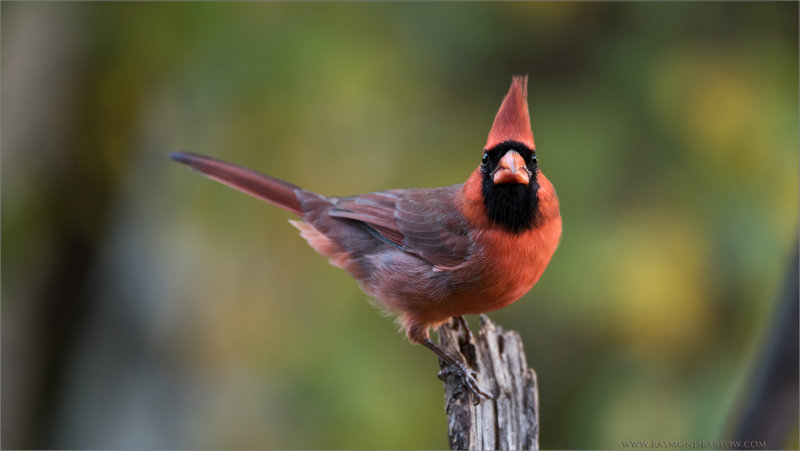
[719,444]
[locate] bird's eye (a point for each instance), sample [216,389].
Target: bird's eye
[485,158]
[533,157]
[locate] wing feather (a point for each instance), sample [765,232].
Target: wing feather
[423,222]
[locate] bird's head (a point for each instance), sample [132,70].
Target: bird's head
[508,171]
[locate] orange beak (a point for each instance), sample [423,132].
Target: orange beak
[511,169]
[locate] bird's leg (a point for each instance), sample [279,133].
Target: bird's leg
[463,322]
[466,375]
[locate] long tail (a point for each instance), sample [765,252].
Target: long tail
[264,187]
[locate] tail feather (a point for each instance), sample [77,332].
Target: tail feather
[275,191]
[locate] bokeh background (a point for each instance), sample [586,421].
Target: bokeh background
[144,306]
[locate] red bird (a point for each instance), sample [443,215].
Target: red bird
[431,254]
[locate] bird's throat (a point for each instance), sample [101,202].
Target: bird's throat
[513,206]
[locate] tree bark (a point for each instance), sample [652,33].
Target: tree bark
[510,420]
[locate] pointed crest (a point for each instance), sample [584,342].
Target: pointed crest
[512,121]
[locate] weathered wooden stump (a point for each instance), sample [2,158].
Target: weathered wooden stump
[511,419]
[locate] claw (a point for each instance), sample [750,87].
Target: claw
[468,379]
[457,368]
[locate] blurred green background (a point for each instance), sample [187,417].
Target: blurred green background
[144,306]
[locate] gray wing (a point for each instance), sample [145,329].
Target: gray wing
[422,222]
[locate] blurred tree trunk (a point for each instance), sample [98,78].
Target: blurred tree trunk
[769,409]
[68,146]
[511,419]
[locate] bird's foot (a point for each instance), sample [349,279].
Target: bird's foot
[467,377]
[458,369]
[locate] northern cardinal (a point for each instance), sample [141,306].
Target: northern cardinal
[431,254]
